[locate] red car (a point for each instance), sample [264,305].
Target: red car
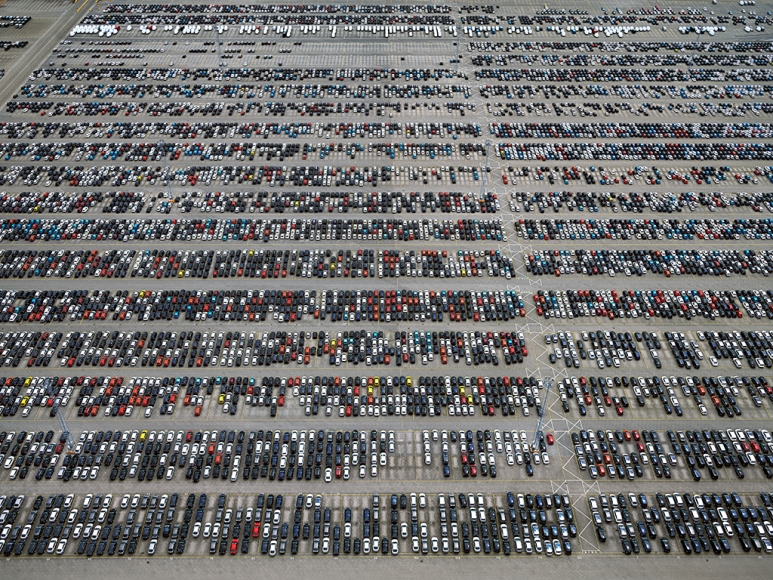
[234,546]
[550,439]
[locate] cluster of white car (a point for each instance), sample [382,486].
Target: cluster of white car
[107,30]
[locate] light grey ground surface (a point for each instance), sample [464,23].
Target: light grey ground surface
[405,471]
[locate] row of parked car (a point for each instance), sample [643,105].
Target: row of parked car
[247,229]
[603,453]
[694,523]
[723,392]
[409,522]
[276,455]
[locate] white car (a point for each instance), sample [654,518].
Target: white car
[61,547]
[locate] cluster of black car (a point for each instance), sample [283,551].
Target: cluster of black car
[698,523]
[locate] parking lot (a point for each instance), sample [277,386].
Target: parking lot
[441,285]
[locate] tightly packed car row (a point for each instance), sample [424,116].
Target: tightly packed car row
[154,108]
[724,392]
[428,396]
[251,202]
[667,202]
[635,57]
[371,347]
[648,304]
[374,396]
[241,151]
[142,175]
[542,92]
[245,229]
[545,92]
[296,11]
[121,202]
[635,202]
[281,91]
[716,451]
[254,263]
[276,455]
[216,151]
[261,305]
[619,50]
[642,262]
[610,348]
[632,75]
[377,305]
[445,202]
[315,19]
[645,229]
[694,523]
[266,524]
[281,131]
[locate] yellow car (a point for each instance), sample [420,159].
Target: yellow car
[24,400]
[143,435]
[409,381]
[221,399]
[376,381]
